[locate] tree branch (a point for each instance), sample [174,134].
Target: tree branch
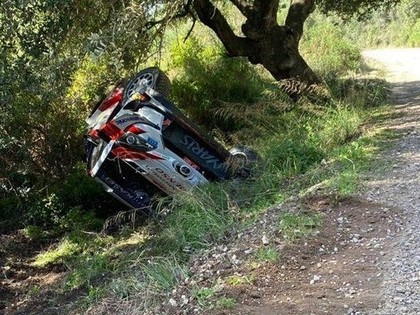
[191,29]
[213,18]
[185,11]
[261,19]
[298,13]
[243,7]
[267,11]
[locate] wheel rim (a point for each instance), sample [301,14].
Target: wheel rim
[143,80]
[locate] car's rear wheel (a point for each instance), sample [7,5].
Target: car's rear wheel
[151,77]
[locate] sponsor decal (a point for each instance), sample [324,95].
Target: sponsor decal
[167,179]
[128,119]
[152,142]
[191,163]
[135,198]
[201,152]
[126,153]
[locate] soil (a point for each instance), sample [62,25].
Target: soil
[364,260]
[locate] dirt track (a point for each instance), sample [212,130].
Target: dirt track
[400,290]
[366,260]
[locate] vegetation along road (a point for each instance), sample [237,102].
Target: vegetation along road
[366,258]
[363,260]
[329,225]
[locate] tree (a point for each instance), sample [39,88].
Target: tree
[264,41]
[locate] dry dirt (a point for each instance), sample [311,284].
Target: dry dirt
[365,259]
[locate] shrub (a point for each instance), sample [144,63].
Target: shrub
[207,80]
[327,50]
[414,36]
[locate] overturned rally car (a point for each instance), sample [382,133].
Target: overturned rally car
[139,144]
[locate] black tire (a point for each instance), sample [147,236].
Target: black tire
[151,77]
[244,162]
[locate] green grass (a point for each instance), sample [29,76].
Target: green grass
[269,254]
[236,280]
[203,296]
[294,226]
[226,303]
[65,249]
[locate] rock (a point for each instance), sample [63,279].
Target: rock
[315,279]
[265,240]
[184,300]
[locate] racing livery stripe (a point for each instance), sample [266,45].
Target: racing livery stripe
[115,97]
[126,153]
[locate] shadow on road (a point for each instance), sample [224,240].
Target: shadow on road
[406,93]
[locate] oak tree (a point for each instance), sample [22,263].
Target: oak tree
[272,44]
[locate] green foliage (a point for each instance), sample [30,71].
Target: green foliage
[45,212]
[56,57]
[207,79]
[89,267]
[297,225]
[80,190]
[326,48]
[294,156]
[386,27]
[236,280]
[225,303]
[162,273]
[414,35]
[46,97]
[269,254]
[200,218]
[361,9]
[64,251]
[204,294]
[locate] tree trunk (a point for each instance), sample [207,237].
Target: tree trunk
[278,52]
[267,43]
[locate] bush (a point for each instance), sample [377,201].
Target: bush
[414,36]
[327,50]
[206,81]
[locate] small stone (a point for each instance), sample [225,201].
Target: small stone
[265,240]
[400,289]
[184,300]
[256,295]
[315,279]
[172,302]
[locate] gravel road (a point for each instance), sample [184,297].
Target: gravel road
[400,187]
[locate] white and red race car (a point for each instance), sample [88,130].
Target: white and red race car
[138,143]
